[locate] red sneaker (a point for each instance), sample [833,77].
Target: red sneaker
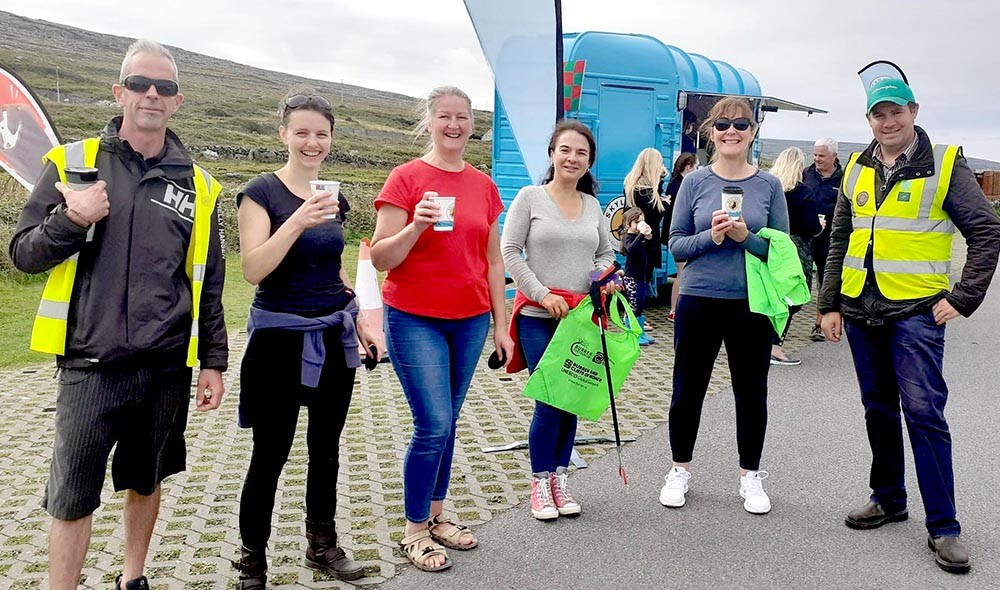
[561,495]
[542,506]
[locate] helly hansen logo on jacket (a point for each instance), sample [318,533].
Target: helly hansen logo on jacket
[177,199]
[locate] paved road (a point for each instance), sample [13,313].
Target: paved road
[817,456]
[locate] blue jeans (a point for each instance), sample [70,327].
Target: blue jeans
[553,431]
[434,360]
[900,362]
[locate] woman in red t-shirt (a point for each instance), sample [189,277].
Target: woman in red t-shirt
[440,291]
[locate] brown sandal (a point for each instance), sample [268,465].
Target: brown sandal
[418,557]
[452,539]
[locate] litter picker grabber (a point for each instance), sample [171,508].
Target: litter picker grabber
[598,296]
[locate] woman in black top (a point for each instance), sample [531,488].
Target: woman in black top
[803,224]
[685,164]
[303,335]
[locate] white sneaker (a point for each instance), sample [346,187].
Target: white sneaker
[672,492]
[752,492]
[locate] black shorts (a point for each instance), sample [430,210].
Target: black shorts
[144,411]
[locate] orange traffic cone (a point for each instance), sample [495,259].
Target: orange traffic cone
[367,289]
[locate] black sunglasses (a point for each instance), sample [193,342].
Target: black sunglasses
[301,100]
[741,124]
[137,83]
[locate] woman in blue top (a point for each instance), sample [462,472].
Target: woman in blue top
[292,242]
[713,307]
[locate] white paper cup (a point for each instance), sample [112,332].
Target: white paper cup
[447,220]
[732,202]
[318,186]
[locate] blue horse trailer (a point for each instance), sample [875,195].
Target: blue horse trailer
[637,92]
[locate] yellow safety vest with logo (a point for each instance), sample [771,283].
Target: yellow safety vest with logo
[910,234]
[48,334]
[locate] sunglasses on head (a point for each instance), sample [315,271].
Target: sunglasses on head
[137,83]
[301,100]
[741,124]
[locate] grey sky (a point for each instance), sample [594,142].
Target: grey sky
[804,52]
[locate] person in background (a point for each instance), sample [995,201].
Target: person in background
[553,236]
[888,286]
[634,247]
[642,189]
[292,242]
[685,164]
[713,306]
[823,178]
[439,293]
[803,223]
[125,348]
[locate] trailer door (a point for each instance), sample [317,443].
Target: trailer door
[626,126]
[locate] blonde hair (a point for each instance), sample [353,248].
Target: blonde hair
[427,108]
[645,173]
[149,48]
[730,107]
[788,168]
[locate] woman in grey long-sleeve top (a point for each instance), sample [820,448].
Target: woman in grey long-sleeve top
[553,237]
[713,307]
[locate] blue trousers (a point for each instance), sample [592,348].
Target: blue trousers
[553,431]
[434,360]
[899,363]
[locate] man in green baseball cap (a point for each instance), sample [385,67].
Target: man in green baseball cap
[887,286]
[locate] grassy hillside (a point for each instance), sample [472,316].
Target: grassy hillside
[229,108]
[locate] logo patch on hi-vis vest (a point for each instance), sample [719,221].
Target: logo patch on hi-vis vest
[903,197]
[862,198]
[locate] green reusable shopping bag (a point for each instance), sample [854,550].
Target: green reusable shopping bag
[571,375]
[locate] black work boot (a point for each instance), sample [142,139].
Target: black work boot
[872,515]
[950,554]
[253,570]
[324,555]
[140,583]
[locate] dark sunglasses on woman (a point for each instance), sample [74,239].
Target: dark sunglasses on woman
[137,83]
[741,124]
[300,100]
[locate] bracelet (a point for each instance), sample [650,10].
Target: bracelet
[79,215]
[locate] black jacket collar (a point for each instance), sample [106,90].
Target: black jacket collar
[838,172]
[174,159]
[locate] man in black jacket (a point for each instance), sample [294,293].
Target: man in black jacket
[823,178]
[887,285]
[130,333]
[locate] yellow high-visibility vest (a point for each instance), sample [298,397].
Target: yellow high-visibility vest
[48,334]
[910,234]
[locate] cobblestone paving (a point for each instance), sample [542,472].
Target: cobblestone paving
[197,532]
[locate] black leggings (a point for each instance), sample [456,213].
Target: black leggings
[272,368]
[701,326]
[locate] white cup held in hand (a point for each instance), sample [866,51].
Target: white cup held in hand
[447,220]
[732,201]
[318,186]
